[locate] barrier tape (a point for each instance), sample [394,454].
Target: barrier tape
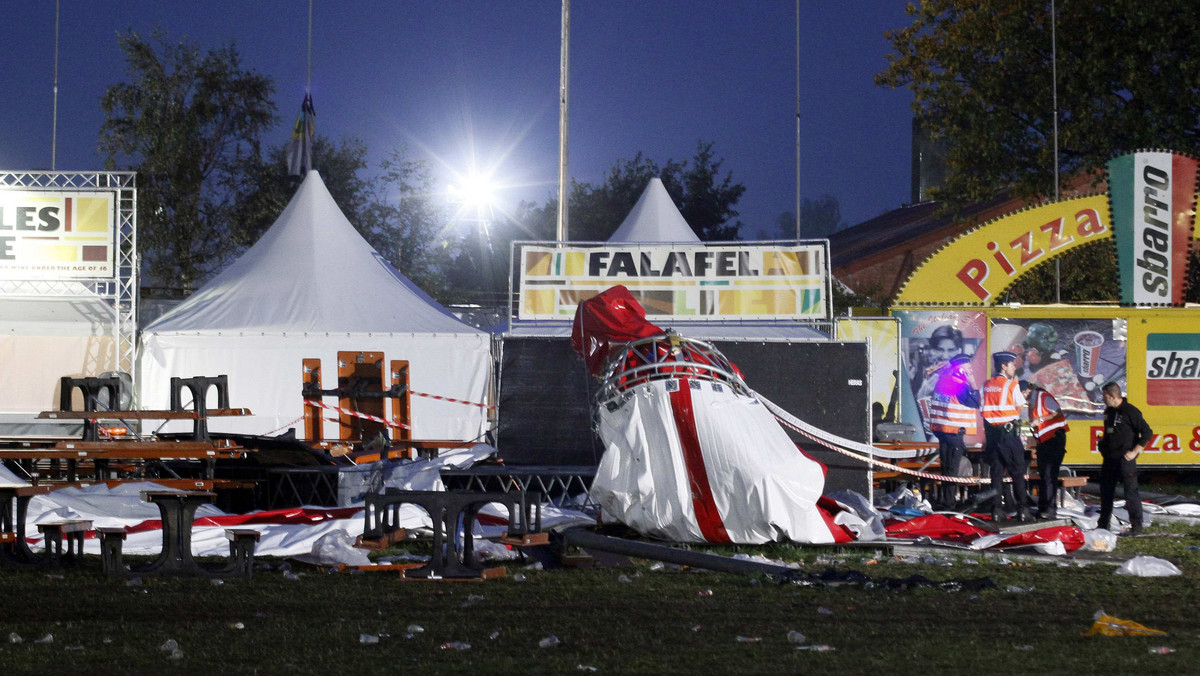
[280,429]
[814,434]
[456,401]
[356,414]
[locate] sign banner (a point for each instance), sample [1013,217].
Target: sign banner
[928,341]
[979,265]
[882,334]
[673,283]
[57,235]
[1153,207]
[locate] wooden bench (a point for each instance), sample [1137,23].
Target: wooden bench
[7,537]
[1074,483]
[54,532]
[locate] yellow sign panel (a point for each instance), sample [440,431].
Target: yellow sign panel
[57,235]
[978,266]
[697,282]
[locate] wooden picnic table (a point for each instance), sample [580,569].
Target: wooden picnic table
[14,505]
[102,452]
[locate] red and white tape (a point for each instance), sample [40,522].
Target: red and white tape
[456,401]
[357,414]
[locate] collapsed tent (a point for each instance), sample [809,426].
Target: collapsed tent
[309,288]
[690,455]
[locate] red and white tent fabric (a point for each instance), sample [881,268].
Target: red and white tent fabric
[689,455]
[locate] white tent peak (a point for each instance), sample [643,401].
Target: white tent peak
[654,219]
[310,272]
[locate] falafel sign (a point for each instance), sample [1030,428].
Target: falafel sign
[57,235]
[688,283]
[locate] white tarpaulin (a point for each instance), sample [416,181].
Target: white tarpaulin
[688,460]
[310,287]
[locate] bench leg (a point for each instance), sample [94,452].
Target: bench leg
[110,555]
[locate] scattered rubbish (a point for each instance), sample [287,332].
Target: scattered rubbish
[455,645]
[133,582]
[289,575]
[1023,648]
[216,582]
[818,647]
[48,638]
[550,641]
[659,565]
[696,628]
[55,576]
[1014,589]
[624,578]
[1107,625]
[494,635]
[1148,566]
[706,592]
[15,638]
[536,565]
[368,639]
[824,611]
[1099,540]
[176,654]
[518,577]
[474,597]
[1161,650]
[236,625]
[585,667]
[794,636]
[415,629]
[74,648]
[749,639]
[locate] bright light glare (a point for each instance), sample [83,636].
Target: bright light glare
[476,191]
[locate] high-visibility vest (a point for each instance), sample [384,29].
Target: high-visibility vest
[946,413]
[1000,400]
[1039,406]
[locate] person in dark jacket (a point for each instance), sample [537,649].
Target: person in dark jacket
[1125,436]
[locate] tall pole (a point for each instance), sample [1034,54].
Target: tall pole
[54,116]
[797,119]
[1054,89]
[308,81]
[564,98]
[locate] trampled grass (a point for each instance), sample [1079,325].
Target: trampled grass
[658,621]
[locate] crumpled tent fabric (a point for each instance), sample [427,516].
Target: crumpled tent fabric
[605,323]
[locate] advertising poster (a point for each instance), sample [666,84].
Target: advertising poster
[679,283]
[928,341]
[1071,358]
[57,235]
[882,335]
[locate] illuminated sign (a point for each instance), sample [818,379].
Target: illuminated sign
[689,283]
[57,235]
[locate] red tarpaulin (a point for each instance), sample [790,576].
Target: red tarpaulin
[607,322]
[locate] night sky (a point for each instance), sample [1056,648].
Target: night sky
[476,84]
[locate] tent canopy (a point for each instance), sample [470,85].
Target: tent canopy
[310,272]
[312,287]
[654,219]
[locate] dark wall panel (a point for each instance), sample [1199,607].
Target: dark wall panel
[545,397]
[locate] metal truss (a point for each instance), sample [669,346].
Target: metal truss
[120,293]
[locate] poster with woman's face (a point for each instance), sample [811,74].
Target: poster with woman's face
[1071,358]
[929,339]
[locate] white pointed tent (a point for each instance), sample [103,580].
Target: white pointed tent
[654,219]
[310,287]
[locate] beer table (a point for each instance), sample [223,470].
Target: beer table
[15,499]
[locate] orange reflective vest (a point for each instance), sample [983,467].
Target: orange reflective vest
[946,413]
[1052,418]
[1002,400]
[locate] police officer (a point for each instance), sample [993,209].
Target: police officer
[1050,427]
[1002,404]
[953,410]
[1125,436]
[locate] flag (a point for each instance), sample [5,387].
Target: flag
[300,147]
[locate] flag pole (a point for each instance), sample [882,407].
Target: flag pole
[54,118]
[564,98]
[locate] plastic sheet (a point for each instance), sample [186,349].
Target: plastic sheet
[1099,540]
[1148,566]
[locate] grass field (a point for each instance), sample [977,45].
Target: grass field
[652,620]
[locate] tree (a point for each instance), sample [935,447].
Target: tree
[983,84]
[1128,77]
[185,121]
[821,218]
